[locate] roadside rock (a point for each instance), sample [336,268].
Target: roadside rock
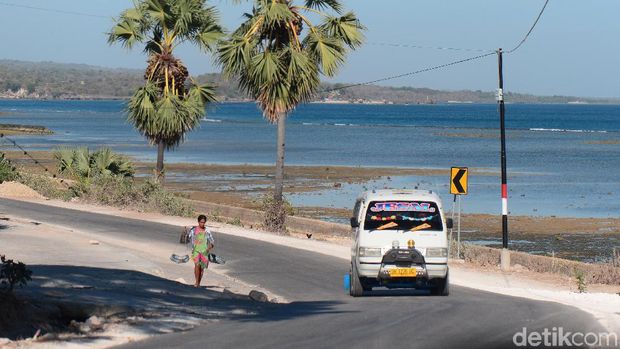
[258,296]
[94,322]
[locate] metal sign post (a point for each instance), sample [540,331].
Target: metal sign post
[458,187]
[451,229]
[458,232]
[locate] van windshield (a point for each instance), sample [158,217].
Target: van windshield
[403,215]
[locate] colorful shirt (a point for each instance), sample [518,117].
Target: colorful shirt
[200,246]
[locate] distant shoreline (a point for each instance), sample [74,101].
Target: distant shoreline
[375,103]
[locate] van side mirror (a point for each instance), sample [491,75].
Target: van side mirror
[354,222]
[449,223]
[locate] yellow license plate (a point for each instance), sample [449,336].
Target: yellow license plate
[403,272]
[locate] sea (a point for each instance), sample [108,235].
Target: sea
[562,160]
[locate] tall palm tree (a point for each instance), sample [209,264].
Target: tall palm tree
[277,56]
[168,105]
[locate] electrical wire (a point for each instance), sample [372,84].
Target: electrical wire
[37,162]
[531,29]
[52,10]
[441,48]
[410,73]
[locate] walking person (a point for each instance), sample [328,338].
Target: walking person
[202,242]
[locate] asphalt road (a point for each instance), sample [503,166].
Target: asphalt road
[321,315]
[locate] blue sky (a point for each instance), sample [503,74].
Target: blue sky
[574,50]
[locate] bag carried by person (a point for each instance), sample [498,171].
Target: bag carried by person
[184,237]
[213,258]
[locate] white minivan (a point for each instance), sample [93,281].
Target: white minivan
[400,242]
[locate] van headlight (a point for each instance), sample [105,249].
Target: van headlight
[436,252]
[369,252]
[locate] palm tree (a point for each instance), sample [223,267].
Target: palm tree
[277,56]
[168,105]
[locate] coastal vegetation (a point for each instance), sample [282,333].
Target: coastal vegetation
[48,80]
[81,165]
[170,103]
[101,177]
[7,170]
[277,56]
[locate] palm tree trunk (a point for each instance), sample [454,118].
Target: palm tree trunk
[159,170]
[279,183]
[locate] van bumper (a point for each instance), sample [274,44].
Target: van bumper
[431,271]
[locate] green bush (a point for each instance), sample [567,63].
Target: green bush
[83,166]
[166,202]
[114,191]
[235,221]
[580,279]
[13,274]
[275,214]
[214,216]
[48,187]
[126,192]
[8,172]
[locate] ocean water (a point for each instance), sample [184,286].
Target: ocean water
[562,160]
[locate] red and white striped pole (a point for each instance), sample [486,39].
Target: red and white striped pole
[505,262]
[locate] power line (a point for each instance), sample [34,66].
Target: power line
[52,10]
[37,162]
[411,73]
[441,48]
[531,28]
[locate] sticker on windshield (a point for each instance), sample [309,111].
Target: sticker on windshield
[411,206]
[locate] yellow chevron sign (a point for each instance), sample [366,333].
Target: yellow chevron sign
[458,180]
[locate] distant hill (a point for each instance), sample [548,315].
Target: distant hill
[49,80]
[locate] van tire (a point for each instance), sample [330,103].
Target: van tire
[365,284]
[441,287]
[356,289]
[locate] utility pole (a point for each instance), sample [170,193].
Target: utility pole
[505,255]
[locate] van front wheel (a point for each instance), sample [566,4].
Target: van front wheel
[356,289]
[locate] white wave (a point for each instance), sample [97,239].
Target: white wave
[308,123]
[566,130]
[211,120]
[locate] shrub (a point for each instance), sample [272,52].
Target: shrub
[214,216]
[8,172]
[580,278]
[83,166]
[235,221]
[13,274]
[125,192]
[114,191]
[48,187]
[164,201]
[275,214]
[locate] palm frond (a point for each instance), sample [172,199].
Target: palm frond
[324,4]
[277,12]
[64,158]
[234,55]
[327,51]
[346,28]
